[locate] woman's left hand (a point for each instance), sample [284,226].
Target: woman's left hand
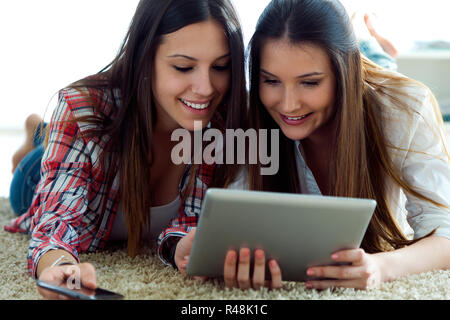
[363,273]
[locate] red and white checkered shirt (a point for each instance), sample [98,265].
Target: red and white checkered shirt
[75,204]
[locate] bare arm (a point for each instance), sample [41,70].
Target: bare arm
[369,270]
[432,253]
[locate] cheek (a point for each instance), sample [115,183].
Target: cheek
[328,101]
[321,100]
[268,96]
[222,83]
[169,87]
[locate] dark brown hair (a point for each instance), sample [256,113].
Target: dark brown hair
[131,128]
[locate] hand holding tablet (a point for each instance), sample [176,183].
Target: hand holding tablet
[298,231]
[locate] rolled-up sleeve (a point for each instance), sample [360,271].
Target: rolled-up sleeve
[426,169]
[189,213]
[61,196]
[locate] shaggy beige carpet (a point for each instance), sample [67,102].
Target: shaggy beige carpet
[145,277]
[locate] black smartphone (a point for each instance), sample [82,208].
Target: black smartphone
[82,293]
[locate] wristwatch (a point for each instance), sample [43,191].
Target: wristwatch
[171,246]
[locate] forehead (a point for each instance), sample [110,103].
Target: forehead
[281,56]
[204,39]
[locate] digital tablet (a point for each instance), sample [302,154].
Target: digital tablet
[297,230]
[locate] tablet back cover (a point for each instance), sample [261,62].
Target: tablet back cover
[298,231]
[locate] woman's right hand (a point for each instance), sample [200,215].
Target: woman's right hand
[237,270]
[69,276]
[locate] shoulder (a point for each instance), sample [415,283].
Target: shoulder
[90,101]
[402,94]
[408,113]
[87,106]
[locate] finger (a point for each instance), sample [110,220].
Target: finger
[49,295]
[182,251]
[355,256]
[191,235]
[53,276]
[182,265]
[82,274]
[243,273]
[259,270]
[229,272]
[325,284]
[275,273]
[88,276]
[201,279]
[337,272]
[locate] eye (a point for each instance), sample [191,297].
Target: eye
[182,69]
[222,68]
[271,82]
[311,83]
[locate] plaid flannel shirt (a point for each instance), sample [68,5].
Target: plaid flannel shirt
[75,204]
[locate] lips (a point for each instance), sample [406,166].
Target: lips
[295,120]
[197,106]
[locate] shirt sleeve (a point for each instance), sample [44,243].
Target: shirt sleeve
[426,169]
[189,213]
[61,195]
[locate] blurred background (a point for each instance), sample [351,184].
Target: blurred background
[48,44]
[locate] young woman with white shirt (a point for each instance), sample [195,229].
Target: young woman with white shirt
[107,172]
[350,129]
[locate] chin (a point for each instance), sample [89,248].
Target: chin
[293,135]
[189,125]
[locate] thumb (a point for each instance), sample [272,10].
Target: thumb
[88,276]
[191,235]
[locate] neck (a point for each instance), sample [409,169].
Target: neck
[317,153]
[321,140]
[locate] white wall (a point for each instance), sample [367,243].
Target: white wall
[47,44]
[430,68]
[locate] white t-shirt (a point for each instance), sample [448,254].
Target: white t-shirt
[160,218]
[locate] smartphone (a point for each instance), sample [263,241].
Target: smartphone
[81,294]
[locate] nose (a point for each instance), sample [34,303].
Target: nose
[202,84]
[290,102]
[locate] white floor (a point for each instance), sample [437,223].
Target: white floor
[11,140]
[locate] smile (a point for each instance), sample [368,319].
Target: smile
[196,106]
[295,120]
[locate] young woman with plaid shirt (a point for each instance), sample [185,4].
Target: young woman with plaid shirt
[106,171]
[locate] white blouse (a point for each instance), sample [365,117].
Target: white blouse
[421,159]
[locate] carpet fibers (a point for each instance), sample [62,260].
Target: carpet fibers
[146,278]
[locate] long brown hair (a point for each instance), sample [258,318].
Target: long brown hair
[129,126]
[361,155]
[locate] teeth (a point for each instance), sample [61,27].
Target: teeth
[297,118]
[196,106]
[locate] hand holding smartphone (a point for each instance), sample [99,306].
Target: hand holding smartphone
[82,293]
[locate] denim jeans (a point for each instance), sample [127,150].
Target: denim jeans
[27,175]
[372,50]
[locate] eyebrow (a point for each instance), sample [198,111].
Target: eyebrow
[301,76]
[194,59]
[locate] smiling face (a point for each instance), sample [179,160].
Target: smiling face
[297,87]
[192,75]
